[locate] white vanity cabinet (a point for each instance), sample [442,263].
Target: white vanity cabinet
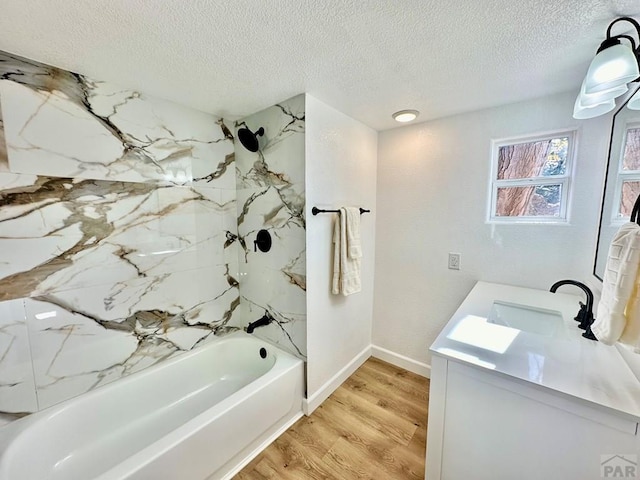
[518,405]
[486,427]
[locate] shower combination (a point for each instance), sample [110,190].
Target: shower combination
[249,139]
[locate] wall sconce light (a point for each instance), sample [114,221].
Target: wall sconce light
[614,66]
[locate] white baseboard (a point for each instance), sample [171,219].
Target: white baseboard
[310,404]
[264,444]
[401,361]
[314,401]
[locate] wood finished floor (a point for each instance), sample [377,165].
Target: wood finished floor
[373,426]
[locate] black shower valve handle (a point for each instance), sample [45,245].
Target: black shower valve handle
[263,241]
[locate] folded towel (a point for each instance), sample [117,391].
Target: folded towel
[346,268]
[618,315]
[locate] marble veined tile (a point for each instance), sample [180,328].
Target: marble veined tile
[31,234]
[264,209]
[4,159]
[202,297]
[119,245]
[284,292]
[231,245]
[71,353]
[15,180]
[58,233]
[47,134]
[89,337]
[270,196]
[281,158]
[276,209]
[285,264]
[17,386]
[288,329]
[58,123]
[289,332]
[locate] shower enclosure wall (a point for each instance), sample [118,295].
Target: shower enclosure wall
[271,195]
[121,232]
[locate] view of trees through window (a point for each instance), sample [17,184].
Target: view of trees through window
[630,169]
[525,174]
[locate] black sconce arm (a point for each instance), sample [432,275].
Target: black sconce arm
[626,19]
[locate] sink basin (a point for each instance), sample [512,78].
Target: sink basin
[527,319]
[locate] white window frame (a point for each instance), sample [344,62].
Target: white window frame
[623,176]
[565,181]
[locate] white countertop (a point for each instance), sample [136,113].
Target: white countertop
[565,363]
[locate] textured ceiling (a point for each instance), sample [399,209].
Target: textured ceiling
[365,58]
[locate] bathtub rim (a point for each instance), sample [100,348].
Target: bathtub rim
[11,433]
[85,396]
[163,445]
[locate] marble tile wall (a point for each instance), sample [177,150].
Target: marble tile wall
[271,196]
[117,233]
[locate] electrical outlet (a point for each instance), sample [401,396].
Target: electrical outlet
[454,261]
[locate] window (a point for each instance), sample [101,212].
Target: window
[530,179]
[628,173]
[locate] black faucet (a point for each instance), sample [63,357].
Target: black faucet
[585,314]
[266,319]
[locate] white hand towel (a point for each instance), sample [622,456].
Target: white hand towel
[353,232]
[346,270]
[335,288]
[618,314]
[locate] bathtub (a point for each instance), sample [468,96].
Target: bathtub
[201,415]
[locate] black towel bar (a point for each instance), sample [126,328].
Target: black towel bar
[316,210]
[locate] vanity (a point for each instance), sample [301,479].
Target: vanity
[517,392]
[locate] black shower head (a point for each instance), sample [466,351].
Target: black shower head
[249,139]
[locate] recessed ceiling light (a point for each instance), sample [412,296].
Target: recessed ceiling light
[405,115]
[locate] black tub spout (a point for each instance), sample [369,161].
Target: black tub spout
[266,319]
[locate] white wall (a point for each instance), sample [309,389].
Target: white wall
[341,158]
[432,192]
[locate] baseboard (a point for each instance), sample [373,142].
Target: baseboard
[264,444]
[401,361]
[310,404]
[314,401]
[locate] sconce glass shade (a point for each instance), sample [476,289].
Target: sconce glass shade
[634,102]
[591,100]
[582,113]
[611,68]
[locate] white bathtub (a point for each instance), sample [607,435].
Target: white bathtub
[201,415]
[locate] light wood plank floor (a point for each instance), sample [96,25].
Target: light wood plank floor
[373,426]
